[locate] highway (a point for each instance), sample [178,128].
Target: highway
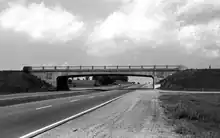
[23,95]
[75,90]
[18,120]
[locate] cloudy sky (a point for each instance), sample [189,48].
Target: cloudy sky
[109,32]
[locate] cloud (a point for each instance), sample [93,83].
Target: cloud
[201,38]
[65,64]
[137,22]
[156,24]
[121,1]
[199,11]
[53,64]
[41,22]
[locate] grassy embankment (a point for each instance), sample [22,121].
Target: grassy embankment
[20,82]
[193,79]
[193,115]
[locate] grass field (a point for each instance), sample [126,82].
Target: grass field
[193,115]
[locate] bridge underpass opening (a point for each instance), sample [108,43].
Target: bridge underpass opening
[65,83]
[149,81]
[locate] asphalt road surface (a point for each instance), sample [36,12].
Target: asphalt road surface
[22,95]
[18,120]
[83,90]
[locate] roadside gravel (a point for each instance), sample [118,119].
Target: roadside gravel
[135,115]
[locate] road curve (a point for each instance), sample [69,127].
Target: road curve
[18,120]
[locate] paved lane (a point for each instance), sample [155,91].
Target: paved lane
[186,92]
[73,90]
[19,120]
[22,95]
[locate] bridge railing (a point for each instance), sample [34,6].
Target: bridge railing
[39,68]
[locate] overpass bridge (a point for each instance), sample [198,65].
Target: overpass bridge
[58,75]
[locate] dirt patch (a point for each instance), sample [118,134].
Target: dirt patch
[137,114]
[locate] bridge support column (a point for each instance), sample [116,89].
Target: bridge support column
[62,84]
[153,82]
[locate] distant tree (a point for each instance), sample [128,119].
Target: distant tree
[69,81]
[94,77]
[87,77]
[105,80]
[121,78]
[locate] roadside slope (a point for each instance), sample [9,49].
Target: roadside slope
[18,81]
[193,106]
[193,115]
[193,79]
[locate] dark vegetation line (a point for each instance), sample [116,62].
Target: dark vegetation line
[106,80]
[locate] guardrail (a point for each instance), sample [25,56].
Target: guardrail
[142,67]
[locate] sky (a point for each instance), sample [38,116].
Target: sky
[109,32]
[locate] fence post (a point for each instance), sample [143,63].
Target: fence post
[154,70]
[153,82]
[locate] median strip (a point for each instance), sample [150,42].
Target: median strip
[21,100]
[27,99]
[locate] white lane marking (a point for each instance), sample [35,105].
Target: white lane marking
[43,107]
[91,96]
[199,92]
[46,128]
[74,100]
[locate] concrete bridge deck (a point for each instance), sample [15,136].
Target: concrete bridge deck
[58,75]
[105,68]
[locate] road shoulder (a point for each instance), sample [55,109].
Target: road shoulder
[136,114]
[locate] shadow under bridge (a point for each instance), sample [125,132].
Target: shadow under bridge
[62,81]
